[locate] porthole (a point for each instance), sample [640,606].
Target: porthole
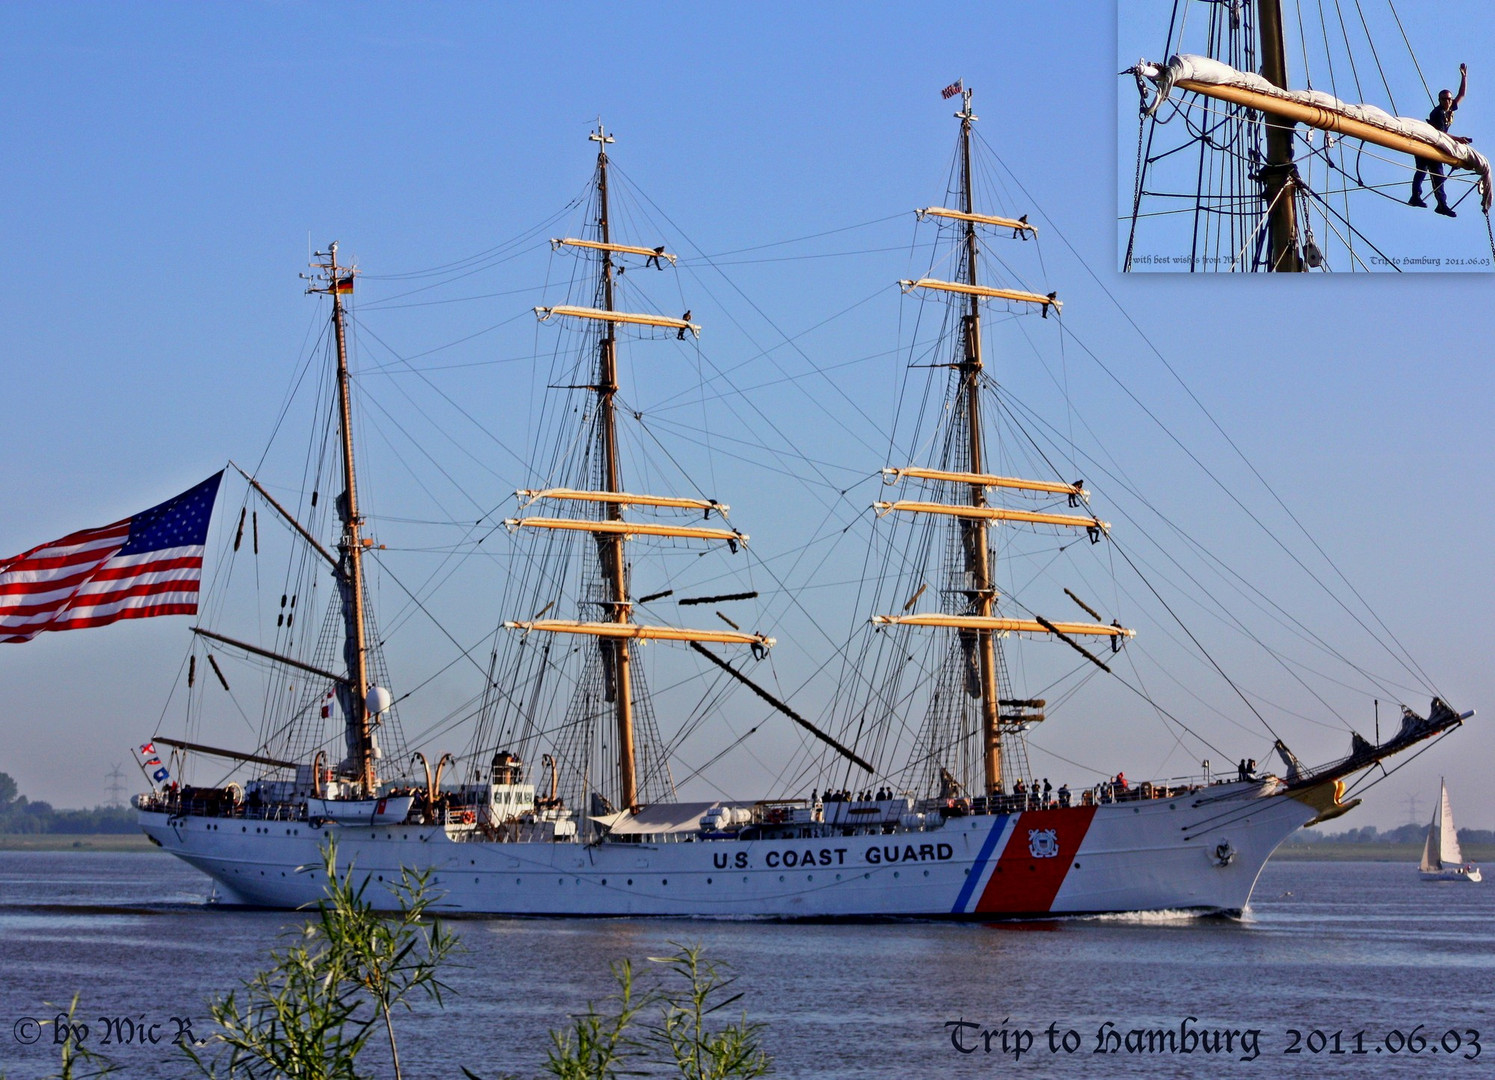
[630,881]
[895,873]
[781,877]
[708,881]
[926,873]
[664,881]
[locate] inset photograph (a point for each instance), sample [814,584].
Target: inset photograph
[1291,136]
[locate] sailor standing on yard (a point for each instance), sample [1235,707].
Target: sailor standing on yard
[1441,117]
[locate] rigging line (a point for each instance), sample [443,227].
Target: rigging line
[459,276]
[1349,50]
[1426,89]
[879,292]
[1406,658]
[295,387]
[466,653]
[1376,56]
[788,258]
[518,238]
[1253,593]
[1197,643]
[444,396]
[449,344]
[382,305]
[762,314]
[1330,210]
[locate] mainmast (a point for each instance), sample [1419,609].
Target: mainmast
[335,281]
[1278,187]
[977,546]
[616,629]
[610,545]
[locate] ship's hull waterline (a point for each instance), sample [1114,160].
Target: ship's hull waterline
[1196,852]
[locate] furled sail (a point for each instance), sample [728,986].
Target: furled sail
[1315,108]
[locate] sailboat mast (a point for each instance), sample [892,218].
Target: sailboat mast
[350,546]
[1278,188]
[977,549]
[610,546]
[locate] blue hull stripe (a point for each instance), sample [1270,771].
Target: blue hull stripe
[998,827]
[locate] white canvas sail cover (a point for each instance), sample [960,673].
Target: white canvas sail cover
[1205,72]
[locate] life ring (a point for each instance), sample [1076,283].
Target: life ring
[467,817]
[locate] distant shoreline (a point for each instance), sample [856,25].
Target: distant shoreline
[1321,851]
[1409,853]
[112,842]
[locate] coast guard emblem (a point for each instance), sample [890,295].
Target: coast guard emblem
[1043,843]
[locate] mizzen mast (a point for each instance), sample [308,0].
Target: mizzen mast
[337,281]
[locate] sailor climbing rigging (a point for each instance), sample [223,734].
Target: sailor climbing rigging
[1441,118]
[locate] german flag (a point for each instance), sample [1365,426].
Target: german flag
[344,284]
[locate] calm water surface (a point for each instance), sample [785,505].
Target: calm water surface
[1328,947]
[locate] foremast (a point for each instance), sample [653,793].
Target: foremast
[616,630]
[337,281]
[979,625]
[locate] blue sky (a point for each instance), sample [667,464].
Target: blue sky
[168,166]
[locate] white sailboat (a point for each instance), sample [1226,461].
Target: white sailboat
[1441,858]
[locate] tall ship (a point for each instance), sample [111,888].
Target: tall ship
[911,795]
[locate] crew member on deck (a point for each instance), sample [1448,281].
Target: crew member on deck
[1441,117]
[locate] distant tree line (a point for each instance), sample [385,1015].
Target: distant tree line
[19,814]
[1403,834]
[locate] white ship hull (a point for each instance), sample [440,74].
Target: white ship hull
[1198,852]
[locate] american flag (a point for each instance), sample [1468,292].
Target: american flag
[149,564]
[954,88]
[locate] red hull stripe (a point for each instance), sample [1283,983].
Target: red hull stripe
[1026,879]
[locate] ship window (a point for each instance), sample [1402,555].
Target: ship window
[708,881]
